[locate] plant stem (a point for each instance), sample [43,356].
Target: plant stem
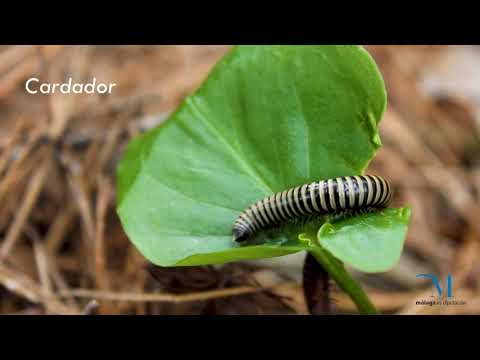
[337,271]
[316,287]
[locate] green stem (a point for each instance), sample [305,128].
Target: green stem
[337,271]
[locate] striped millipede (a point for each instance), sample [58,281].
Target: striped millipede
[333,196]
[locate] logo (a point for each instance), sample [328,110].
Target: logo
[435,282]
[444,292]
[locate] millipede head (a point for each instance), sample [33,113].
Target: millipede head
[240,234]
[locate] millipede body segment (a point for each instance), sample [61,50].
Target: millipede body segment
[330,196]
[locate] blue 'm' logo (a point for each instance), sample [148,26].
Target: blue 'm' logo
[435,282]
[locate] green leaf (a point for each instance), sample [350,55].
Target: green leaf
[369,243]
[267,118]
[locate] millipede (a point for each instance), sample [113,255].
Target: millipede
[341,195]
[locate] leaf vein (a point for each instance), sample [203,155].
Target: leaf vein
[246,167]
[189,197]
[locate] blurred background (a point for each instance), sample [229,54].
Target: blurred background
[63,251]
